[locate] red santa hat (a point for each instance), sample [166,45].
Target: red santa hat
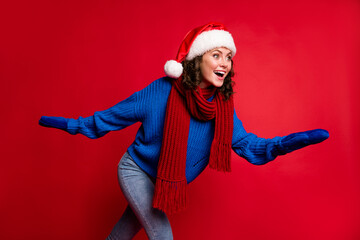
[197,42]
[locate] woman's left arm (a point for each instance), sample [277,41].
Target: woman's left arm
[259,151]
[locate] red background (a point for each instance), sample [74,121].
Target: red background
[297,68]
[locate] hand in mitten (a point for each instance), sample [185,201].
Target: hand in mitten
[54,122]
[299,140]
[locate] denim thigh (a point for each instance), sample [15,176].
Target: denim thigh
[138,189]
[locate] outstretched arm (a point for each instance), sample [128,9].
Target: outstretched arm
[115,118]
[260,150]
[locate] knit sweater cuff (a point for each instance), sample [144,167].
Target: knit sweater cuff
[73,126]
[277,148]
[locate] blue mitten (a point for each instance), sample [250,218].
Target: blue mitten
[299,140]
[54,122]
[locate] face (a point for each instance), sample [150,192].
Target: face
[214,67]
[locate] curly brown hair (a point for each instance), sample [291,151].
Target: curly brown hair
[192,77]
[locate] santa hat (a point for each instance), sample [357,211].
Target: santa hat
[197,42]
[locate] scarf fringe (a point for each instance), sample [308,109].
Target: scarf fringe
[169,196]
[220,156]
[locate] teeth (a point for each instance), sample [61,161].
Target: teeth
[221,73]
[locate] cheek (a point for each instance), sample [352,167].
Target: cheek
[207,67]
[211,64]
[205,71]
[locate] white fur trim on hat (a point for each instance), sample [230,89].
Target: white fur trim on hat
[209,40]
[173,69]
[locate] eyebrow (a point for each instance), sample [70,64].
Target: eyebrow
[222,52]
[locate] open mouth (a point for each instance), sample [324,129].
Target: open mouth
[220,73]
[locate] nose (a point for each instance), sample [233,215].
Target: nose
[223,63]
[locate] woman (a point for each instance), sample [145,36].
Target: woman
[193,105]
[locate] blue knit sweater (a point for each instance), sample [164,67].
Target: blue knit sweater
[148,106]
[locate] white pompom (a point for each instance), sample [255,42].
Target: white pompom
[173,69]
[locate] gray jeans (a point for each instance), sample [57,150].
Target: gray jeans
[138,189]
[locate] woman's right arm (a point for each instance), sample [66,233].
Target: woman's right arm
[123,114]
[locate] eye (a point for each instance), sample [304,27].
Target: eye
[216,55]
[228,58]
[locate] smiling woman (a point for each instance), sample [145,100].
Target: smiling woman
[200,71]
[193,105]
[215,66]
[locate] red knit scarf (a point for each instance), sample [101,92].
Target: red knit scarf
[170,189]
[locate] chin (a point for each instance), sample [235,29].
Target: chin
[213,83]
[218,84]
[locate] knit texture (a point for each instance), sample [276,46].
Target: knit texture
[148,106]
[170,188]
